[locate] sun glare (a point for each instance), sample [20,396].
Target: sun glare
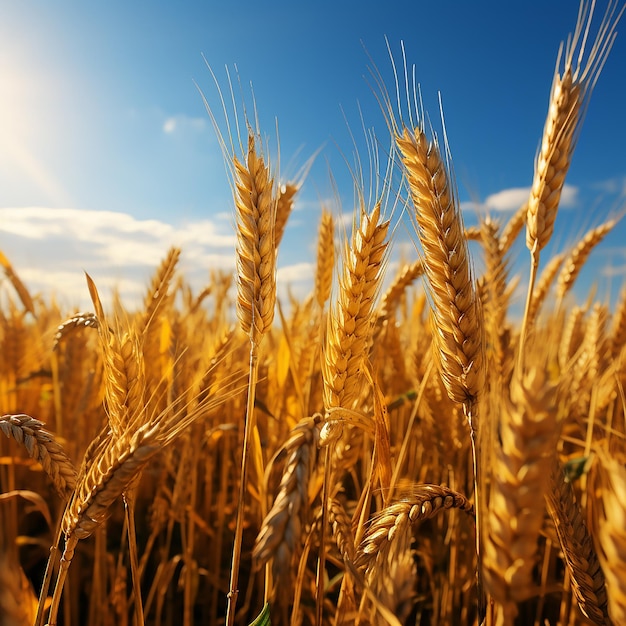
[21,130]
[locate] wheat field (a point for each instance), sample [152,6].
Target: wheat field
[406,449]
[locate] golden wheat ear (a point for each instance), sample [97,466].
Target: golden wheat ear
[42,447]
[350,319]
[255,202]
[586,576]
[279,536]
[325,258]
[397,518]
[528,426]
[608,480]
[456,308]
[572,86]
[577,70]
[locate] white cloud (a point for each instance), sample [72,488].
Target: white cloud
[613,186]
[295,273]
[611,271]
[51,249]
[509,200]
[183,123]
[295,280]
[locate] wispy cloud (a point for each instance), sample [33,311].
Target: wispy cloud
[509,200]
[184,123]
[612,186]
[51,248]
[611,271]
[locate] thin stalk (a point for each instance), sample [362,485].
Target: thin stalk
[54,551]
[248,425]
[534,264]
[129,502]
[321,560]
[64,566]
[469,409]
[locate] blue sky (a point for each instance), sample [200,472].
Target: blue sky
[107,155]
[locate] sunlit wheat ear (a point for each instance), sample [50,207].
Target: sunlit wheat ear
[280,532]
[255,203]
[158,289]
[528,430]
[495,297]
[578,257]
[572,86]
[458,330]
[608,480]
[577,70]
[124,376]
[18,285]
[284,206]
[350,317]
[397,518]
[80,320]
[325,258]
[618,330]
[543,286]
[391,298]
[42,447]
[586,576]
[513,228]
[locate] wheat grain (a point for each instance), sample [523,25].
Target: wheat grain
[350,319]
[457,314]
[281,528]
[389,301]
[609,481]
[284,206]
[527,432]
[80,320]
[325,258]
[586,577]
[255,203]
[578,257]
[571,88]
[42,447]
[397,518]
